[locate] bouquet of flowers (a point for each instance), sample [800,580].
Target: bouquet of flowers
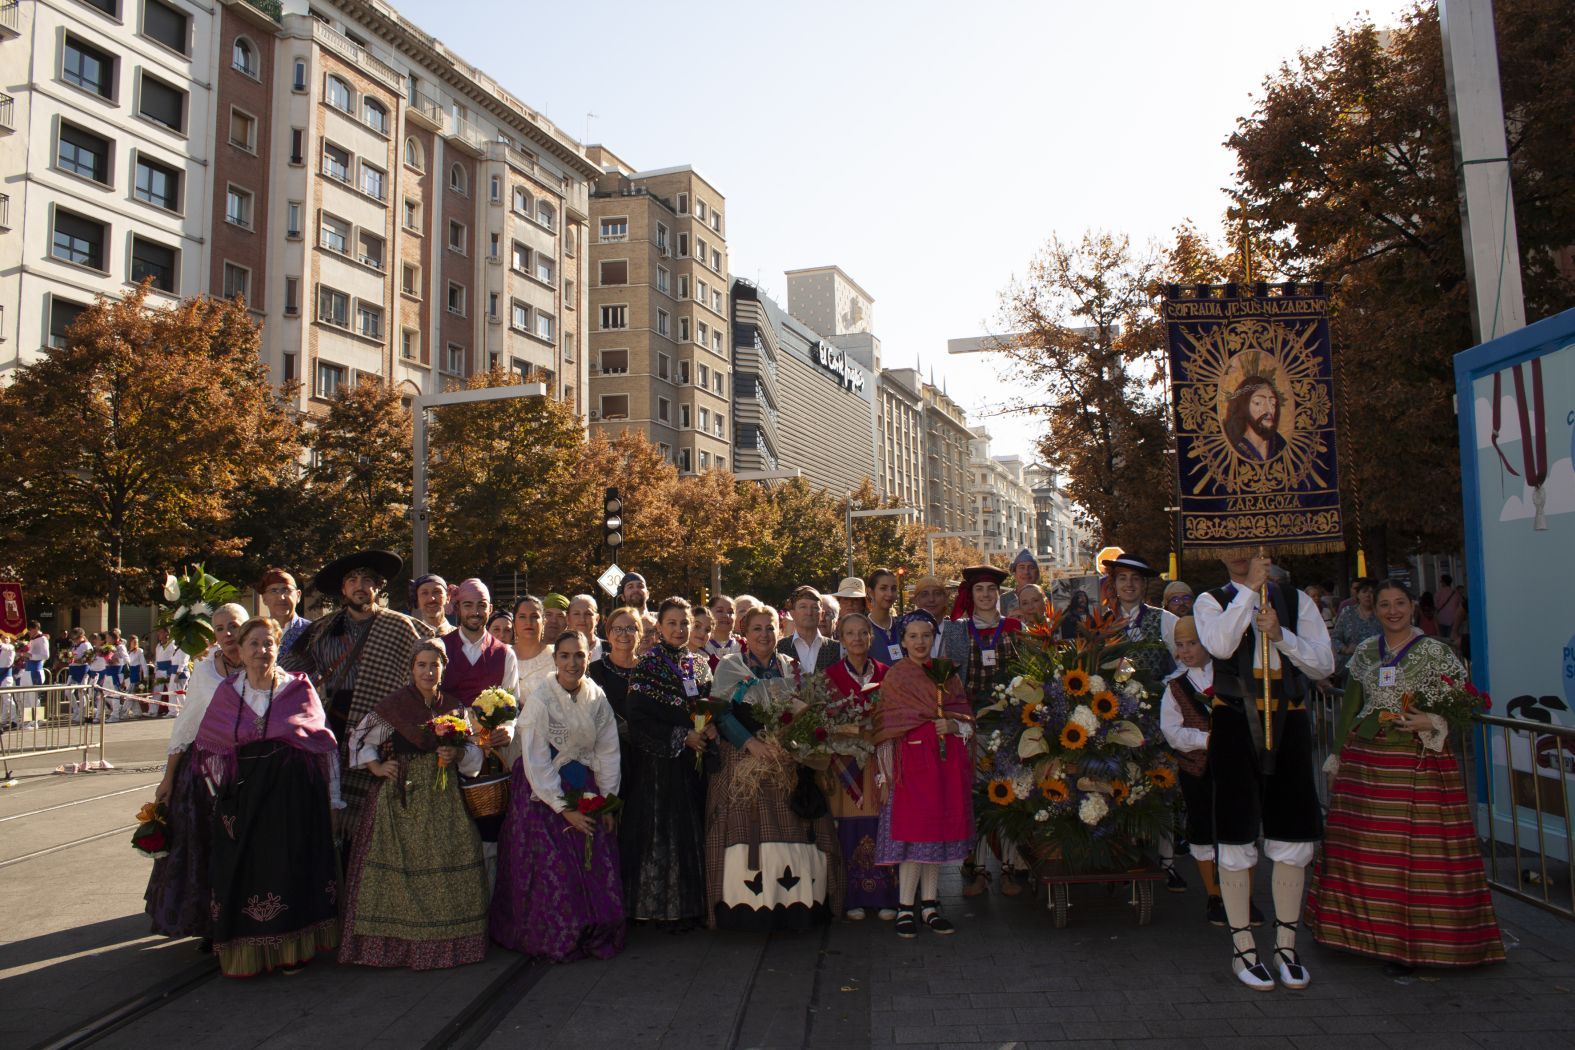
[592,805]
[152,836]
[190,601]
[493,707]
[846,718]
[1075,761]
[448,731]
[1457,703]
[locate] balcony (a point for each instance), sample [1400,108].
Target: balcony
[462,132]
[10,18]
[424,109]
[7,112]
[5,211]
[368,63]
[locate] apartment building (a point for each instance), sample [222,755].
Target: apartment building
[899,446]
[1005,520]
[659,346]
[798,401]
[1061,542]
[385,208]
[947,441]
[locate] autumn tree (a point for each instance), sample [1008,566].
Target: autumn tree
[361,466]
[1347,164]
[127,445]
[714,511]
[1085,348]
[801,540]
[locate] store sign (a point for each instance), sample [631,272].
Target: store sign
[837,363]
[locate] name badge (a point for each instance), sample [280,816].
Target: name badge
[1388,676]
[895,650]
[987,657]
[691,688]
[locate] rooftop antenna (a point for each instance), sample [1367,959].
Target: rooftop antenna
[588,118]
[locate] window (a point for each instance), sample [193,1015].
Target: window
[719,383]
[700,248]
[369,320]
[243,56]
[109,7]
[336,162]
[457,236]
[374,182]
[545,214]
[544,326]
[661,237]
[663,279]
[683,204]
[456,298]
[297,145]
[615,406]
[683,286]
[87,67]
[716,260]
[237,281]
[683,373]
[615,272]
[683,416]
[410,344]
[238,206]
[683,246]
[716,299]
[569,241]
[162,104]
[410,279]
[615,362]
[702,332]
[663,322]
[568,295]
[298,78]
[413,154]
[329,379]
[716,340]
[683,329]
[519,316]
[519,258]
[83,153]
[521,200]
[456,178]
[664,409]
[335,234]
[151,259]
[333,307]
[78,240]
[614,317]
[492,247]
[705,457]
[702,291]
[720,425]
[375,114]
[337,94]
[157,184]
[700,209]
[615,229]
[243,130]
[412,215]
[716,224]
[292,296]
[62,314]
[684,460]
[292,220]
[454,359]
[371,249]
[702,375]
[545,272]
[164,24]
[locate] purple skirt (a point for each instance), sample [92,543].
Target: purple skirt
[869,885]
[178,890]
[893,851]
[546,903]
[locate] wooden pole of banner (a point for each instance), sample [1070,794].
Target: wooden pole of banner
[1268,692]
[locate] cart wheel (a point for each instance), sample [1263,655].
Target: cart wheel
[1060,900]
[1145,896]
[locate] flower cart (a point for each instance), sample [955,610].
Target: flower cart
[1075,772]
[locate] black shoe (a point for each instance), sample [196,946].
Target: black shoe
[1215,912]
[907,925]
[1173,880]
[1254,917]
[933,918]
[1394,969]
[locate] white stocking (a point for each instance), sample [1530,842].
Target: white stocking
[907,883]
[1236,890]
[929,882]
[1289,882]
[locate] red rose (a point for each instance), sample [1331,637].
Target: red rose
[1209,692]
[787,718]
[1447,680]
[152,843]
[584,805]
[1487,702]
[820,733]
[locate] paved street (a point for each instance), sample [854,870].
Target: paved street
[74,946]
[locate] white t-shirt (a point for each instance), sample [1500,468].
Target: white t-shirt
[38,648]
[7,658]
[137,657]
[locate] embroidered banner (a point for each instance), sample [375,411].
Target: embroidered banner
[1252,393]
[13,614]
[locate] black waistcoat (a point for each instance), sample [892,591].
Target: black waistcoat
[1233,676]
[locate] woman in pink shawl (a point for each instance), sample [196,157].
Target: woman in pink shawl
[922,732]
[273,765]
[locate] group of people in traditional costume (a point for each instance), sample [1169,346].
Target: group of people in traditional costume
[644,787]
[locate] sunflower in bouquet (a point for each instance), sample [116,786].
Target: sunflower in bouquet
[1078,765]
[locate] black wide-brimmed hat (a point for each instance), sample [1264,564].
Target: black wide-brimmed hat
[983,574]
[1132,562]
[385,563]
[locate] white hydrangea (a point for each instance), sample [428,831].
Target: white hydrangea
[1042,816]
[1085,717]
[1096,684]
[1023,784]
[1093,809]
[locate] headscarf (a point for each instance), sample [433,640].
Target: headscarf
[468,589]
[1173,588]
[554,600]
[421,581]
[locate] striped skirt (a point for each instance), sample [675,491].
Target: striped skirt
[1401,876]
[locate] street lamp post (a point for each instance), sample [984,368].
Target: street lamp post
[880,512]
[932,537]
[418,419]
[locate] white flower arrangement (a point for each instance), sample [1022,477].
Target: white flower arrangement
[1093,809]
[1084,716]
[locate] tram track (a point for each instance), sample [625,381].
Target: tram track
[97,1027]
[469,1028]
[79,802]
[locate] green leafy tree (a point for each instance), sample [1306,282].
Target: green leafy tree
[361,466]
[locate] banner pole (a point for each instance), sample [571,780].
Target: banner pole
[1268,692]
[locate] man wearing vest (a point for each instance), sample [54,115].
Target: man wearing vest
[1264,784]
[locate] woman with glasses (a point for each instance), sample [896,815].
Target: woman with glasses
[559,896]
[661,835]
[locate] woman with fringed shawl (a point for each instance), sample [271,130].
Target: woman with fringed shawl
[416,893]
[273,763]
[922,734]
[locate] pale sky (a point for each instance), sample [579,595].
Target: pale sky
[928,148]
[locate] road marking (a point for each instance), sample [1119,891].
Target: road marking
[78,802]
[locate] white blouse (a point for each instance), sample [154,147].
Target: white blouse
[582,729]
[205,679]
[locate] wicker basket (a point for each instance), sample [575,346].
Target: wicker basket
[486,796]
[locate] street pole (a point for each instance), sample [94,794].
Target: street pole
[419,510]
[881,512]
[932,537]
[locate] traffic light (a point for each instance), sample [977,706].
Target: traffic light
[612,520]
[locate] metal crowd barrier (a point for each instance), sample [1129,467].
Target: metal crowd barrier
[1523,808]
[52,719]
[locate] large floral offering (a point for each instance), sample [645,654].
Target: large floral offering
[1074,763]
[493,707]
[190,601]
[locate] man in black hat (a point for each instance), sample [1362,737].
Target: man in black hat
[358,655]
[632,592]
[1129,576]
